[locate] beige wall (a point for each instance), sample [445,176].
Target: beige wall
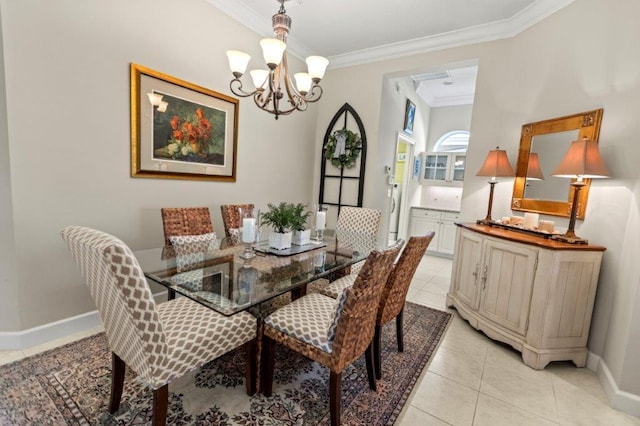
[66,77]
[67,83]
[447,119]
[9,305]
[581,58]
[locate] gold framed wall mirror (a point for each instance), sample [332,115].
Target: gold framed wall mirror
[535,190]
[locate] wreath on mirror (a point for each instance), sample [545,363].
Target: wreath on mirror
[343,148]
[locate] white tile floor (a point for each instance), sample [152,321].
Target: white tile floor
[472,380]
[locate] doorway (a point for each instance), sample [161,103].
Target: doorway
[399,188]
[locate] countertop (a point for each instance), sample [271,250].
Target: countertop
[440,209]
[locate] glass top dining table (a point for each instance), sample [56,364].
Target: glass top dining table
[219,278]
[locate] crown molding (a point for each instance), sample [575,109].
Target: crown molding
[507,28]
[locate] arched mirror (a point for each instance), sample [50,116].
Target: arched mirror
[542,147]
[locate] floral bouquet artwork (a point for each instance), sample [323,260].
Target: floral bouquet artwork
[189,132]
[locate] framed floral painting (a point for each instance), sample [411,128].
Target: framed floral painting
[180,130]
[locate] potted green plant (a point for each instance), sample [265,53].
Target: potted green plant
[301,235]
[281,218]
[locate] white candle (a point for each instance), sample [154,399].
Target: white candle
[531,220]
[321,220]
[248,230]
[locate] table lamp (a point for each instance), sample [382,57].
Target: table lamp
[582,160]
[534,172]
[496,165]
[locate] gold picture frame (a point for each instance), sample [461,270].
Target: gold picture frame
[180,130]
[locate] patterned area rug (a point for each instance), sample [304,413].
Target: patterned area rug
[71,385]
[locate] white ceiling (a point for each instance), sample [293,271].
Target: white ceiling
[360,31]
[350,32]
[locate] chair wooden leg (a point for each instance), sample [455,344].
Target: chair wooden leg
[250,366]
[268,348]
[399,332]
[371,370]
[160,406]
[171,294]
[377,356]
[335,397]
[118,368]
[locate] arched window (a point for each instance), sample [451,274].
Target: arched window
[455,141]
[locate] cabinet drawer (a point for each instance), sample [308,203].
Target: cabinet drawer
[433,214]
[450,216]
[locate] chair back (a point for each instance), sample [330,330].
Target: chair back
[123,298]
[185,221]
[359,219]
[394,293]
[358,305]
[231,216]
[358,227]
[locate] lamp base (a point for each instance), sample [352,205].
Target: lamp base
[484,222]
[571,239]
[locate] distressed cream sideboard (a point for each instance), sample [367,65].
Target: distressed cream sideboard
[532,293]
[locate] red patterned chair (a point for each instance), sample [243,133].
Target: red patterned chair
[160,342]
[332,332]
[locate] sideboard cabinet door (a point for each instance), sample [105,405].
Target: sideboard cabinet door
[507,277]
[467,269]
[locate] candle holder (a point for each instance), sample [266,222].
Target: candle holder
[247,232]
[320,222]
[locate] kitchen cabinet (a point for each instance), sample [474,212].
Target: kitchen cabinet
[443,168]
[532,293]
[442,222]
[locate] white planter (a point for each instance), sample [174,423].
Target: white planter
[280,241]
[301,238]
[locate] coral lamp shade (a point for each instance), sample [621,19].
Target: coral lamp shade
[582,160]
[534,172]
[496,164]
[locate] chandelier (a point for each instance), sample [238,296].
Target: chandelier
[274,91]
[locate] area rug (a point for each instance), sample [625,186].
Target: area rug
[71,385]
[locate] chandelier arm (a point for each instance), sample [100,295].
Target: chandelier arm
[313,96]
[292,93]
[238,91]
[260,99]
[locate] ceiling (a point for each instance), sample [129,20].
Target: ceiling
[359,31]
[350,32]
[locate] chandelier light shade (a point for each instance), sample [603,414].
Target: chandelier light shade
[274,90]
[534,172]
[495,165]
[582,160]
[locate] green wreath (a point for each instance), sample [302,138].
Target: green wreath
[345,157]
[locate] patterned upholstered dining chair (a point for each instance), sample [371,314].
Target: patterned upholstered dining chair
[394,293]
[160,342]
[332,333]
[361,223]
[231,218]
[178,221]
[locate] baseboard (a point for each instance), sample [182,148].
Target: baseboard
[18,340]
[619,399]
[45,333]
